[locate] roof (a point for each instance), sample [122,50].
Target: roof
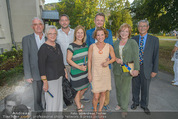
[50,14]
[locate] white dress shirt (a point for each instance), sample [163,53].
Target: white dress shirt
[39,41]
[64,40]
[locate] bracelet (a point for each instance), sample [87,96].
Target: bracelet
[43,79]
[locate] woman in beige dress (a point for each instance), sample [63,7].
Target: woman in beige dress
[98,67]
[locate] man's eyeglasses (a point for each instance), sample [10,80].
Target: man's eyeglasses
[35,24]
[143,26]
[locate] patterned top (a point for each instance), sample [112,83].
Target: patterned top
[78,77]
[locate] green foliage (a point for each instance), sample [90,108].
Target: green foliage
[162,14]
[50,6]
[11,66]
[165,63]
[12,75]
[120,14]
[14,54]
[81,12]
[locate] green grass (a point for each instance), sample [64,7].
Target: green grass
[165,63]
[167,37]
[160,37]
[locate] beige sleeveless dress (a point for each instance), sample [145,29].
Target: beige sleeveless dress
[101,76]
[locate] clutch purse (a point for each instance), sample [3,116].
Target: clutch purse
[131,65]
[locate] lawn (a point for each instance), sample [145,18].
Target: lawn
[166,37]
[160,37]
[165,63]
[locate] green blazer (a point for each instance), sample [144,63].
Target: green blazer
[130,53]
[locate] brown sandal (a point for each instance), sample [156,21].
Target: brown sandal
[79,110]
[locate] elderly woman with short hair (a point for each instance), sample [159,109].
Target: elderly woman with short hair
[126,51]
[52,70]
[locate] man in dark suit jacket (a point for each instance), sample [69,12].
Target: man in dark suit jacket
[99,22]
[30,45]
[148,68]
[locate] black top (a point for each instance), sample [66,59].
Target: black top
[50,61]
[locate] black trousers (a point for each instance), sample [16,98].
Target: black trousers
[37,91]
[140,84]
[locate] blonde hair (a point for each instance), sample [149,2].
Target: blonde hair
[124,26]
[76,29]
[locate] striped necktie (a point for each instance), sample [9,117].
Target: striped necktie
[141,52]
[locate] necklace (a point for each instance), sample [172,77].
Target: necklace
[54,47]
[100,52]
[123,41]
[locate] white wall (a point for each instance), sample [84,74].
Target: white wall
[4,29]
[22,13]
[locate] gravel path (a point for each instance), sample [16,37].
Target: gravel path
[6,90]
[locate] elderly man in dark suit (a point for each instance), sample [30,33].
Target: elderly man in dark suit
[148,54]
[30,45]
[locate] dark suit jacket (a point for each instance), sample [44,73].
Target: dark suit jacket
[30,57]
[151,55]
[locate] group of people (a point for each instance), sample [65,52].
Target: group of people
[85,58]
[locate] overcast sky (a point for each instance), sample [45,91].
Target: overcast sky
[53,1]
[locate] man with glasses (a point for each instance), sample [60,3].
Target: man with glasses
[30,45]
[148,54]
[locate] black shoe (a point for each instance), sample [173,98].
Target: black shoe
[134,106]
[146,110]
[85,100]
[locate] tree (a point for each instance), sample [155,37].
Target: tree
[126,17]
[88,13]
[119,14]
[80,11]
[162,14]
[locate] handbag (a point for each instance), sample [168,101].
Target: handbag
[69,93]
[131,65]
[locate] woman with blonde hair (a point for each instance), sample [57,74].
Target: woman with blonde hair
[126,51]
[77,57]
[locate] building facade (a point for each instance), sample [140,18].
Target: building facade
[15,20]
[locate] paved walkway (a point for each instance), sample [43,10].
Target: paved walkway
[163,96]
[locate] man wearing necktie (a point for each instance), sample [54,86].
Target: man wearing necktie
[148,54]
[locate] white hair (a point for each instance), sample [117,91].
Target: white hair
[38,19]
[49,28]
[145,21]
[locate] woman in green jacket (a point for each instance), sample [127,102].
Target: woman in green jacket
[126,51]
